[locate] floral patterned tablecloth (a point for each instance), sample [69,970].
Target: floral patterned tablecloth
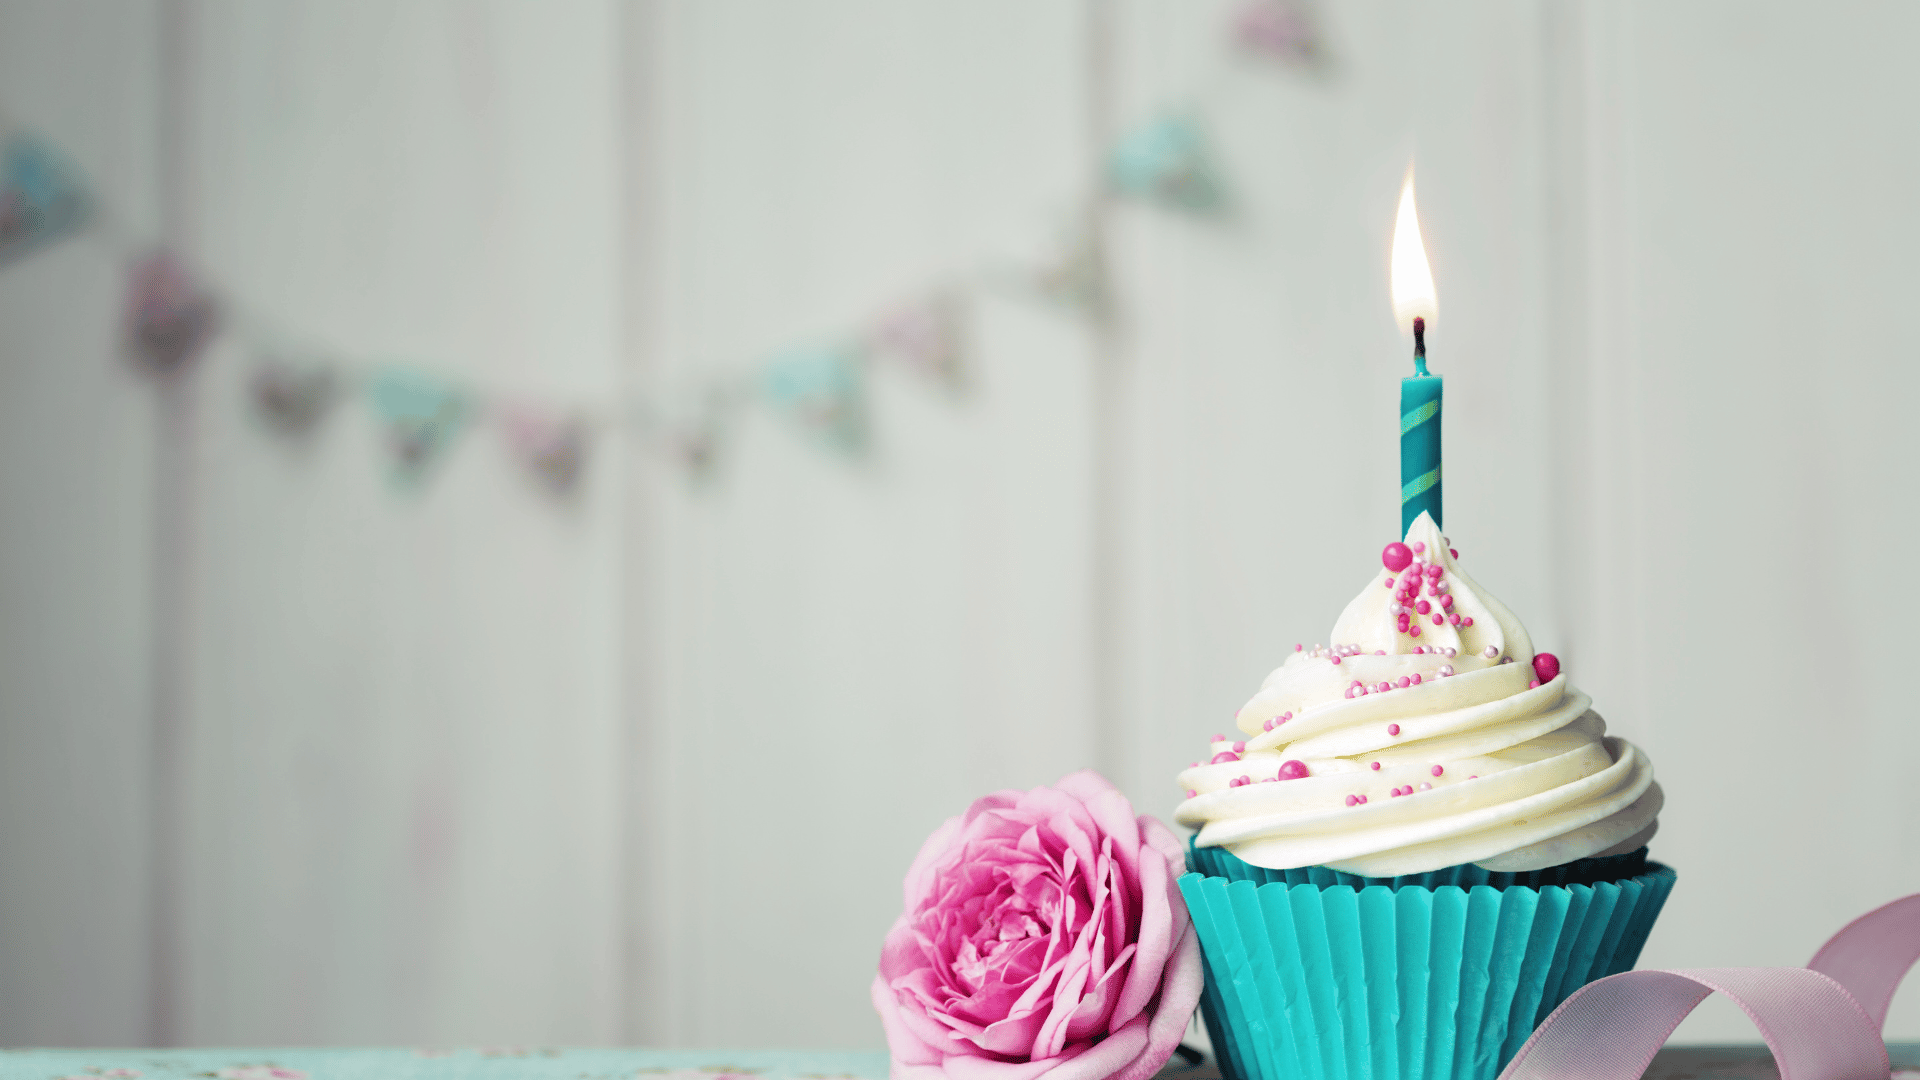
[533,1063]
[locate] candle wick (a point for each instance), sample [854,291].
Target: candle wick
[1419,345]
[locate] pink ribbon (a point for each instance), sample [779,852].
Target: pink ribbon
[1822,1022]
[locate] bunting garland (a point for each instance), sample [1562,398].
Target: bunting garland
[171,314]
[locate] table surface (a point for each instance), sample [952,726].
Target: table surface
[536,1063]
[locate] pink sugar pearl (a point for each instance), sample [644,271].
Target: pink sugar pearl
[1403,682]
[1418,547]
[1395,556]
[1393,729]
[1376,766]
[1293,770]
[1353,800]
[1223,757]
[1437,770]
[1546,665]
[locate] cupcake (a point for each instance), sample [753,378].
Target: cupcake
[1420,841]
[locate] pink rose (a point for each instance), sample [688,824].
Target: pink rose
[1043,937]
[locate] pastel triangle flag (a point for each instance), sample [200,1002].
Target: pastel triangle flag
[1167,161]
[1283,30]
[1076,275]
[925,335]
[822,389]
[550,443]
[420,414]
[292,395]
[42,195]
[170,315]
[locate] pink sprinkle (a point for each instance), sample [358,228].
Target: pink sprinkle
[1534,685]
[1416,678]
[1192,794]
[1379,652]
[1359,691]
[1384,686]
[1353,800]
[1223,756]
[1376,766]
[1284,717]
[1454,618]
[1394,793]
[1403,682]
[1418,547]
[1297,646]
[1423,607]
[1334,659]
[1446,600]
[1245,780]
[1393,729]
[1413,631]
[1469,621]
[1446,669]
[1491,651]
[1424,786]
[1240,748]
[1193,764]
[1437,770]
[1268,726]
[1433,571]
[1363,798]
[1292,770]
[1453,553]
[1475,776]
[1219,738]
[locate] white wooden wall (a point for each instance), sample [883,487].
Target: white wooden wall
[462,766]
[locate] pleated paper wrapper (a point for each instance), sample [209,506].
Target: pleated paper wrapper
[1316,975]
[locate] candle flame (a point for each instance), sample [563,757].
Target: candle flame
[1413,293]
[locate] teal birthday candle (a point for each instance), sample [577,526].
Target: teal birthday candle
[1419,436]
[1414,303]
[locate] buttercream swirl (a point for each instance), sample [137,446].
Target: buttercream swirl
[1390,753]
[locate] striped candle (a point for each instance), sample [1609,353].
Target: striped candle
[1419,436]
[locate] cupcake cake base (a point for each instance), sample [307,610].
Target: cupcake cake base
[1314,974]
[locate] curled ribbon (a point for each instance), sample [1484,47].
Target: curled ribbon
[1822,1022]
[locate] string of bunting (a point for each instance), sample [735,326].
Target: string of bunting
[173,311]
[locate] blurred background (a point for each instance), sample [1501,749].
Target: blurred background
[516,520]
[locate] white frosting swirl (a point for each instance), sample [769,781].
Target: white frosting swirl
[1370,757]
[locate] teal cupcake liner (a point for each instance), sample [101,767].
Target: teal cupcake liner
[1325,981]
